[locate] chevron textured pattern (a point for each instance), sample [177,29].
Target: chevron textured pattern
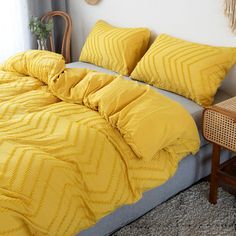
[63,165]
[192,70]
[117,49]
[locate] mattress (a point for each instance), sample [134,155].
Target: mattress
[193,108]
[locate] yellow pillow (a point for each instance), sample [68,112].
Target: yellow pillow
[192,70]
[117,49]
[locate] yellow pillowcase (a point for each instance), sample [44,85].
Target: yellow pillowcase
[192,70]
[117,49]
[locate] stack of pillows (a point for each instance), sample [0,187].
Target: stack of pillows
[192,70]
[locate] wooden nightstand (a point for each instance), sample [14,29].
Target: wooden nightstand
[219,128]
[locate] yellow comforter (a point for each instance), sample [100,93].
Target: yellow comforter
[76,144]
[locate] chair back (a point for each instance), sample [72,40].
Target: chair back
[65,47]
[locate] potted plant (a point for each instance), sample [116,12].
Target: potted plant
[41,30]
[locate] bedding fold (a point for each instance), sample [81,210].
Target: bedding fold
[76,144]
[148,121]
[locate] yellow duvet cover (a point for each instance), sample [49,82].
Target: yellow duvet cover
[76,144]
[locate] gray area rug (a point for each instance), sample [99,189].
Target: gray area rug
[188,213]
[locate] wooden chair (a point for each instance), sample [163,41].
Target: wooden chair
[65,47]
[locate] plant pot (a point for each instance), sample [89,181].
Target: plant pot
[42,44]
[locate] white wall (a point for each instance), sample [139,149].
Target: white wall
[200,21]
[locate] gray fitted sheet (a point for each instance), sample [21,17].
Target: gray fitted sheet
[190,170]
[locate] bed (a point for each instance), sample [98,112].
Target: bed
[49,189]
[191,169]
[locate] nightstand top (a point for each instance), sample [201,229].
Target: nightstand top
[227,107]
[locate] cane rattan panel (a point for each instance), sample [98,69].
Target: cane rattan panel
[219,124]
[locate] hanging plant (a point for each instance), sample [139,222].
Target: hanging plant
[230,12]
[41,30]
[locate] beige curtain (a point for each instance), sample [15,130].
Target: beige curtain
[230,12]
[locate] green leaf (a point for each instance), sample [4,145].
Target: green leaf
[40,29]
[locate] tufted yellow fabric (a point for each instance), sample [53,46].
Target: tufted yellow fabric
[48,64]
[192,70]
[71,152]
[117,49]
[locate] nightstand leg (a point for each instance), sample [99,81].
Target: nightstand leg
[215,163]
